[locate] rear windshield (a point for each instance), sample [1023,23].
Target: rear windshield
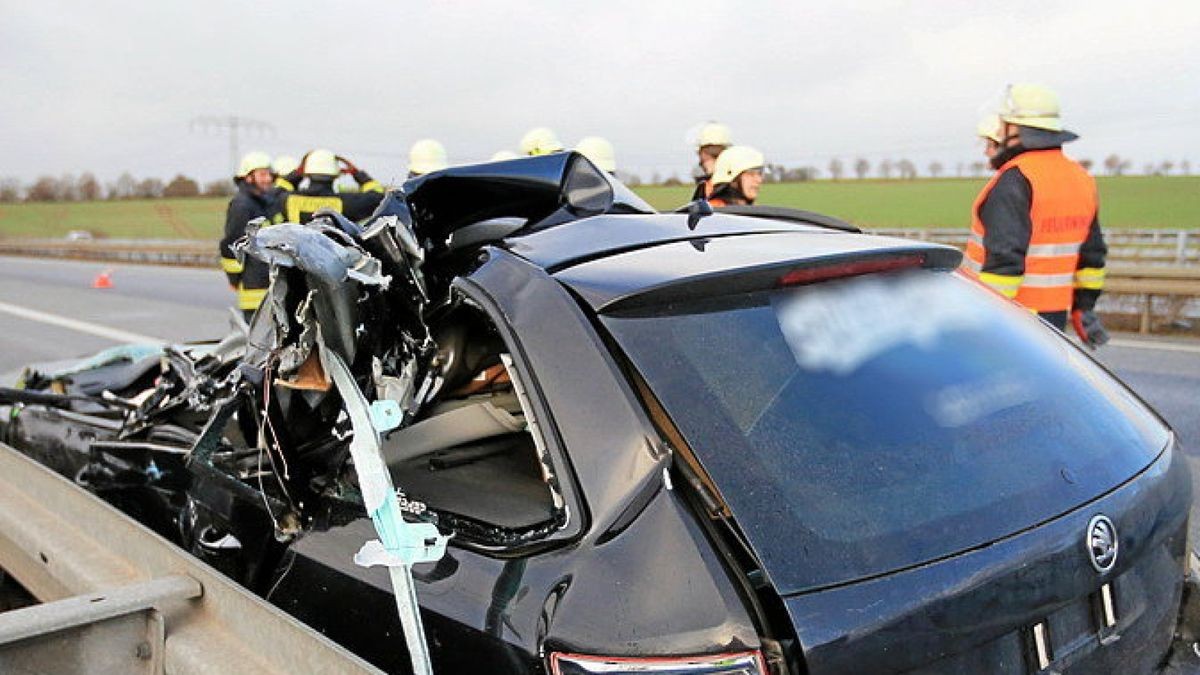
[861,426]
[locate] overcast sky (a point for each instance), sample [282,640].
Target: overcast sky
[113,86]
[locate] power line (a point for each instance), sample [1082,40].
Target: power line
[231,125]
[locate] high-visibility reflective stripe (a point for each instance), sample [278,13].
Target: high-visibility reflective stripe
[1048,280]
[1050,250]
[285,184]
[973,265]
[250,298]
[1091,278]
[301,207]
[1006,285]
[976,238]
[371,186]
[231,266]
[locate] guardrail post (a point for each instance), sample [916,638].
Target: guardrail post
[1144,326]
[1181,238]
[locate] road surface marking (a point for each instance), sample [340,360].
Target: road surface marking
[1151,344]
[96,329]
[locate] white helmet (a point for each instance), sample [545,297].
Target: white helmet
[734,161]
[713,133]
[504,155]
[426,156]
[252,161]
[540,141]
[321,163]
[284,164]
[1031,105]
[599,151]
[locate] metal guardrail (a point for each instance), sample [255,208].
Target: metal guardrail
[1134,255]
[1150,282]
[186,253]
[1164,247]
[151,606]
[1167,247]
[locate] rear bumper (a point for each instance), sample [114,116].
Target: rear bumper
[1184,657]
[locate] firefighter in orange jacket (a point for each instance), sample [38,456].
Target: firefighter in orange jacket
[1035,228]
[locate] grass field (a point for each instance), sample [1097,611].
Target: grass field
[1128,201]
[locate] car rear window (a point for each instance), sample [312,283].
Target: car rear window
[865,425]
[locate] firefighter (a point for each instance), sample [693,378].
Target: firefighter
[737,176]
[1035,228]
[989,130]
[711,140]
[426,156]
[321,168]
[600,152]
[540,141]
[255,198]
[287,172]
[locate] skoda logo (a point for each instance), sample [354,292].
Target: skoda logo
[1101,542]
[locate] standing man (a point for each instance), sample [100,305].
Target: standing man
[1035,228]
[255,198]
[321,168]
[712,139]
[600,152]
[287,172]
[737,176]
[540,141]
[426,156]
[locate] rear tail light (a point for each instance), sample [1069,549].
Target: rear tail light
[741,663]
[809,275]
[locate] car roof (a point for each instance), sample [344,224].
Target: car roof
[562,246]
[609,260]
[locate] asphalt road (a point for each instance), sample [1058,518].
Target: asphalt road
[176,304]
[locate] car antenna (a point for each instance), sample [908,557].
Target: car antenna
[696,210]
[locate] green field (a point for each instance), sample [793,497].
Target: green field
[1128,201]
[182,218]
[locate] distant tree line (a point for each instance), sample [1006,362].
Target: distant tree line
[904,169]
[85,188]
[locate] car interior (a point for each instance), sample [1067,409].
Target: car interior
[472,452]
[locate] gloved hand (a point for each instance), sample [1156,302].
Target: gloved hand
[1088,327]
[348,167]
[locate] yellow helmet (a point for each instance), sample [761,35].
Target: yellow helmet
[990,128]
[321,163]
[599,151]
[426,156]
[733,161]
[713,133]
[503,155]
[540,141]
[1031,105]
[284,164]
[252,161]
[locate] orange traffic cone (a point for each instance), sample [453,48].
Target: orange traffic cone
[103,280]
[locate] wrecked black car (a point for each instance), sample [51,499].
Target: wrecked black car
[748,441]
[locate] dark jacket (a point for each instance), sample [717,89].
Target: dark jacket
[245,206]
[299,206]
